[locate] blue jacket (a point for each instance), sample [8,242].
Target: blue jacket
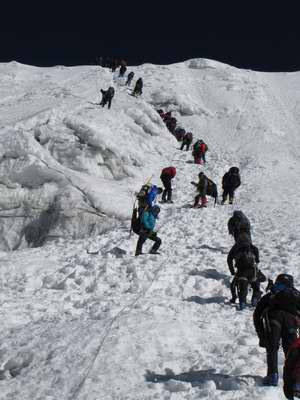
[151,196]
[148,220]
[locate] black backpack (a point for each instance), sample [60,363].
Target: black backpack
[135,221]
[245,264]
[212,189]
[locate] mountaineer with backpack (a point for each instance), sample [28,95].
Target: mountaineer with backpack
[199,150]
[239,224]
[107,96]
[147,222]
[167,174]
[230,182]
[187,141]
[178,132]
[246,256]
[129,78]
[205,186]
[291,372]
[147,195]
[122,71]
[138,88]
[276,317]
[171,124]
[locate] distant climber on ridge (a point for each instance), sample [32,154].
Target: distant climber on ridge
[138,88]
[107,96]
[123,69]
[129,78]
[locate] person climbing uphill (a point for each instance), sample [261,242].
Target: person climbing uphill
[167,174]
[129,78]
[276,317]
[187,141]
[199,150]
[107,96]
[230,182]
[123,69]
[147,223]
[147,196]
[239,224]
[246,257]
[138,88]
[202,190]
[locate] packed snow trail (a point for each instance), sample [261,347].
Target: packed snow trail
[161,327]
[111,326]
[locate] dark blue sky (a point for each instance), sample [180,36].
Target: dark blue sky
[73,48]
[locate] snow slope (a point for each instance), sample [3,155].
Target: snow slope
[64,157]
[108,325]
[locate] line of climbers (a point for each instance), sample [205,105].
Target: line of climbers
[277,314]
[108,95]
[199,148]
[145,213]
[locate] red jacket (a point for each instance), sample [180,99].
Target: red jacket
[170,171]
[291,372]
[202,148]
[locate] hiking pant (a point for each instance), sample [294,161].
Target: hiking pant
[167,193]
[242,288]
[187,144]
[203,200]
[228,191]
[199,158]
[106,100]
[128,82]
[143,236]
[278,325]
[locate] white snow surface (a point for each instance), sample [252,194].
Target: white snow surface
[109,326]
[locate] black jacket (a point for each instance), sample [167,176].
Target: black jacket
[235,251]
[231,180]
[287,300]
[238,224]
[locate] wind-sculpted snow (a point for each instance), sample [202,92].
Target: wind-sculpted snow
[81,317]
[59,150]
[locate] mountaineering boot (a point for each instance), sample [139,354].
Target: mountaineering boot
[232,300]
[230,200]
[170,201]
[271,379]
[242,306]
[153,252]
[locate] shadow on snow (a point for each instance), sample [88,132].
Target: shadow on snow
[198,378]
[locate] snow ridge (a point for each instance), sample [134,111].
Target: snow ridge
[82,318]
